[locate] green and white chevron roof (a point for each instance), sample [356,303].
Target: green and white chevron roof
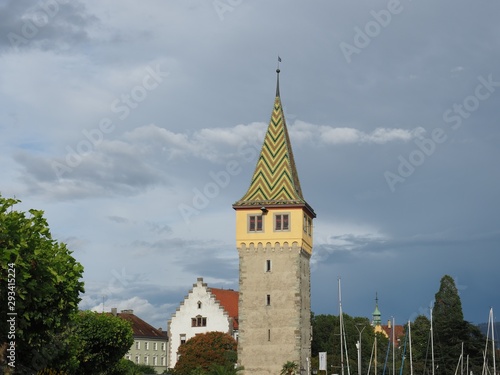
[275,180]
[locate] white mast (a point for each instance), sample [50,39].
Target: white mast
[493,341]
[394,347]
[411,357]
[341,331]
[432,345]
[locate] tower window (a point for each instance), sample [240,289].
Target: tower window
[268,265]
[268,300]
[282,222]
[307,224]
[268,335]
[255,223]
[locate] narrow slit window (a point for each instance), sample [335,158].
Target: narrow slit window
[268,265]
[268,300]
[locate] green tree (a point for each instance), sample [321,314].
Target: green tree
[127,367]
[104,339]
[41,282]
[451,331]
[205,350]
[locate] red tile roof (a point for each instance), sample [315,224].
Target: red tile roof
[399,332]
[228,299]
[141,328]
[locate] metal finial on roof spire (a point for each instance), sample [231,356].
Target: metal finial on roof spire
[278,77]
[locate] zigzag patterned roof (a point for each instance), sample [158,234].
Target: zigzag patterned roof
[275,180]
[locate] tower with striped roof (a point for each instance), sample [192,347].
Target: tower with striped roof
[274,241]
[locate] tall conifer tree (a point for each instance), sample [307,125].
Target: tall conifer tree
[451,331]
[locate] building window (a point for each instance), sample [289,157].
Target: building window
[146,345]
[281,222]
[268,265]
[127,357]
[268,335]
[155,346]
[307,224]
[255,223]
[163,346]
[199,321]
[146,360]
[137,359]
[199,304]
[163,361]
[137,345]
[268,300]
[183,338]
[155,361]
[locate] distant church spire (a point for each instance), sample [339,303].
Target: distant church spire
[376,314]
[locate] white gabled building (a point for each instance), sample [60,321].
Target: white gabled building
[203,310]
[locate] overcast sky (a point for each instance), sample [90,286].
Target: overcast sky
[136,125]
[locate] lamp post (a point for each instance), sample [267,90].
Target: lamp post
[358,346]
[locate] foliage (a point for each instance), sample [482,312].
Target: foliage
[205,350]
[127,367]
[143,370]
[289,368]
[104,340]
[451,331]
[217,369]
[46,290]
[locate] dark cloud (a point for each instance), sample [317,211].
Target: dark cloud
[47,24]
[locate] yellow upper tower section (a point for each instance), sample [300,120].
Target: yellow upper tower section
[273,207]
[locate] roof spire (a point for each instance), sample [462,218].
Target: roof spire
[376,314]
[275,180]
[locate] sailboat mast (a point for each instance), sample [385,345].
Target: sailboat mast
[462,363]
[411,357]
[493,341]
[432,345]
[341,330]
[394,347]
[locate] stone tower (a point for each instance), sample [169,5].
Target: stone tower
[274,241]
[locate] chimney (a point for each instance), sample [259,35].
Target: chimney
[113,311]
[389,324]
